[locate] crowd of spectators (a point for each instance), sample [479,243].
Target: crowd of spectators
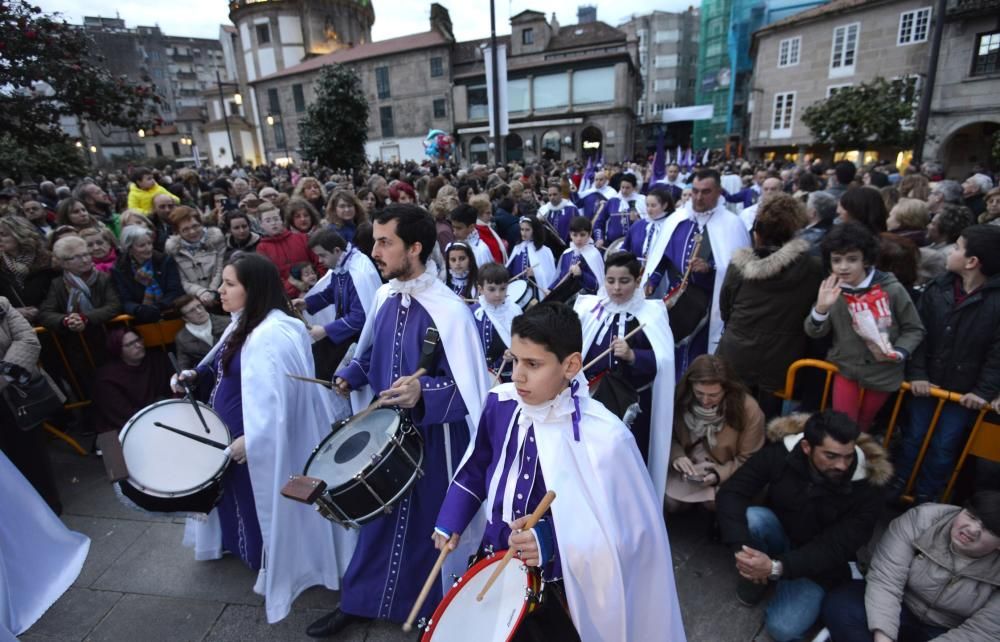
[76,254]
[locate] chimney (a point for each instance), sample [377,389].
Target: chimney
[586,13]
[441,21]
[554,24]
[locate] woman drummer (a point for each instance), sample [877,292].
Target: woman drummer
[638,369]
[274,429]
[531,258]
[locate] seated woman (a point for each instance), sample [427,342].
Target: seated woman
[345,213]
[198,252]
[302,217]
[934,576]
[240,236]
[717,426]
[148,282]
[25,266]
[131,380]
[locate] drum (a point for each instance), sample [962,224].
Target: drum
[368,463]
[615,246]
[168,472]
[460,617]
[522,293]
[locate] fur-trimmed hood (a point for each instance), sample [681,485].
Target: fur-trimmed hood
[873,461]
[755,268]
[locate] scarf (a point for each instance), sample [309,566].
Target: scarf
[145,276]
[19,266]
[704,423]
[413,286]
[79,292]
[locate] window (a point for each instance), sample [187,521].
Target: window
[845,49]
[594,86]
[299,97]
[159,149]
[273,104]
[176,147]
[784,108]
[279,135]
[263,34]
[986,59]
[528,37]
[382,81]
[714,49]
[518,95]
[234,109]
[788,51]
[662,62]
[551,91]
[913,26]
[478,102]
[385,118]
[437,69]
[833,89]
[670,35]
[440,110]
[665,84]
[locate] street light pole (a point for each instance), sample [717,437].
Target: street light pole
[225,117]
[495,98]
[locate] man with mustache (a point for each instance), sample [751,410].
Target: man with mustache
[823,497]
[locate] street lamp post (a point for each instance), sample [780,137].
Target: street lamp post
[225,112]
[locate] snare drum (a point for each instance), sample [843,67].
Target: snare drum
[614,247]
[522,293]
[171,473]
[460,617]
[368,464]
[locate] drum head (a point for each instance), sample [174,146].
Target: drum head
[347,452]
[517,289]
[460,617]
[165,464]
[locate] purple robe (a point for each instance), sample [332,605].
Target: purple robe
[395,552]
[560,217]
[636,243]
[519,262]
[640,374]
[470,488]
[614,221]
[588,204]
[340,293]
[587,276]
[237,511]
[493,345]
[679,250]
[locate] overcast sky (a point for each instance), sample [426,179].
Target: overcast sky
[470,18]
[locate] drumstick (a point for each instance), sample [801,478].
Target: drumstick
[544,291]
[375,405]
[425,591]
[532,520]
[496,380]
[608,351]
[518,275]
[322,382]
[201,440]
[187,390]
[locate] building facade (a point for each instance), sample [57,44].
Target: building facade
[667,46]
[965,106]
[571,92]
[407,81]
[725,64]
[806,58]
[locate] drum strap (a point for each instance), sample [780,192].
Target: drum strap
[431,339]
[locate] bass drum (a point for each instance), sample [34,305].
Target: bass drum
[522,293]
[168,472]
[368,463]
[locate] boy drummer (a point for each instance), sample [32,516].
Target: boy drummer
[603,546]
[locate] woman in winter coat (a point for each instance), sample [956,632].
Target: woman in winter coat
[25,266]
[767,292]
[199,252]
[935,575]
[148,282]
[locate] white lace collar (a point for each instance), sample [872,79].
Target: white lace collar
[413,286]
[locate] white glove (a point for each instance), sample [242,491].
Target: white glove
[187,376]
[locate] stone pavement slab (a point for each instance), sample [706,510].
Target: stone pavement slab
[108,540]
[74,615]
[157,619]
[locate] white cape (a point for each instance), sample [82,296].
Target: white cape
[501,316]
[654,314]
[283,421]
[613,546]
[726,233]
[541,261]
[39,557]
[366,282]
[594,260]
[458,335]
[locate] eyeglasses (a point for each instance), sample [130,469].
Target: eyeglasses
[77,257]
[133,343]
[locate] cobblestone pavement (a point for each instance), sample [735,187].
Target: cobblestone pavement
[140,584]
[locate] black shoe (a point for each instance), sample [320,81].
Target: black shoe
[749,593]
[333,623]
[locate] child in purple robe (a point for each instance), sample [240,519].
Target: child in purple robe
[581,260]
[461,270]
[494,312]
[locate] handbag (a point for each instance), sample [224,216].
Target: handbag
[32,403]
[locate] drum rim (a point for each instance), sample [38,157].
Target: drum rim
[340,425]
[216,477]
[462,582]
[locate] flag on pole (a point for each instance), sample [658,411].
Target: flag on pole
[588,176]
[704,159]
[659,162]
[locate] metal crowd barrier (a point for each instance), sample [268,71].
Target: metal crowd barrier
[983,440]
[159,334]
